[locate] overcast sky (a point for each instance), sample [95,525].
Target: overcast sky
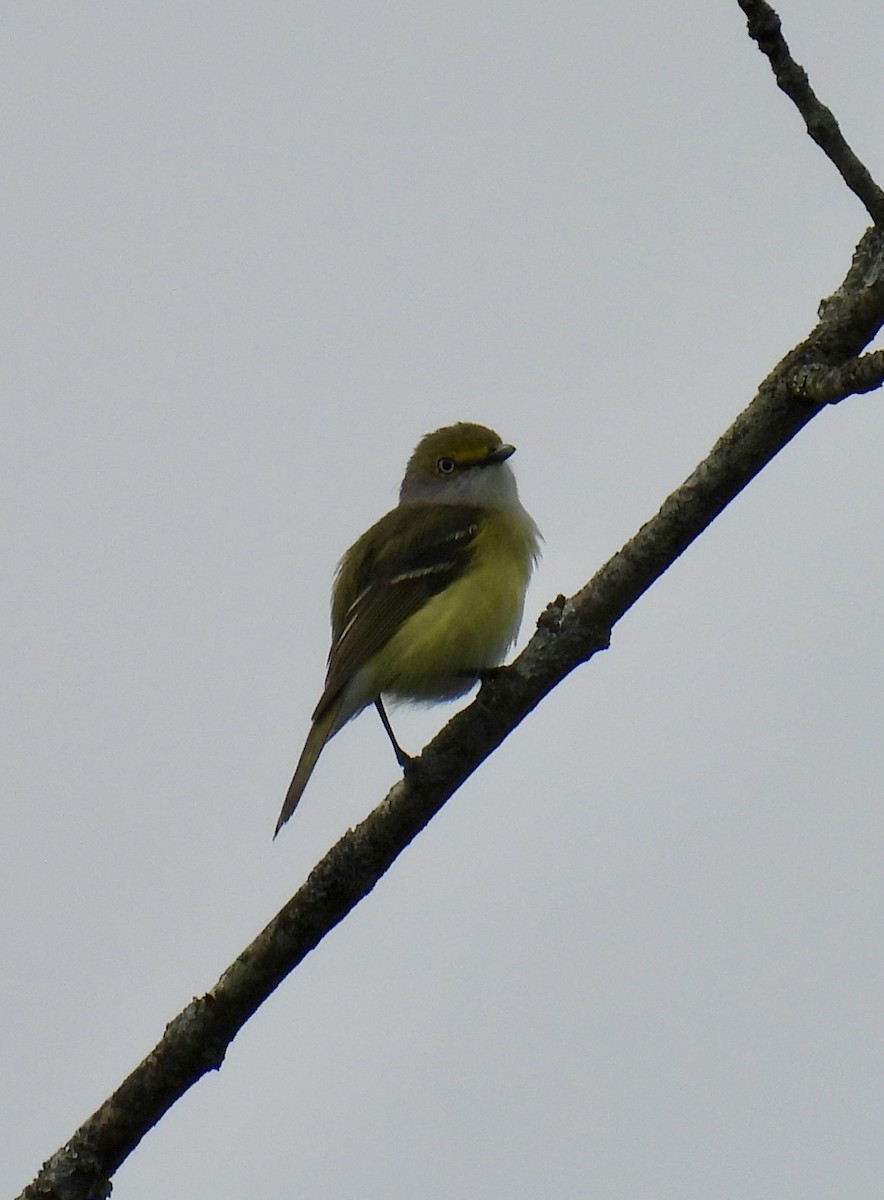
[251,254]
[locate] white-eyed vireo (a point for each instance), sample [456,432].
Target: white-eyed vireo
[432,595]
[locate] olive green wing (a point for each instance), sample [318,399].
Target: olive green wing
[409,556]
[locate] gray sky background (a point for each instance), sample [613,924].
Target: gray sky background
[251,254]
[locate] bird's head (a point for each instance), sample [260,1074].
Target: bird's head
[460,464]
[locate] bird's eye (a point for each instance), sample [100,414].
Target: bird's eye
[445,466]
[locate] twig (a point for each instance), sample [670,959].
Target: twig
[765,29]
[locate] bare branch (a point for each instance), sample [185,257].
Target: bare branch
[569,633]
[826,367]
[765,29]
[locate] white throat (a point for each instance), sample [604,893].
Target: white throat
[491,486]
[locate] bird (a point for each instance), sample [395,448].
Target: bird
[430,598]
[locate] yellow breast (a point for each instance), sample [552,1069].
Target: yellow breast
[470,625]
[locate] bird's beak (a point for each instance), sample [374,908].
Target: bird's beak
[498,455]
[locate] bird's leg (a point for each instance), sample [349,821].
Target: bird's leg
[404,760]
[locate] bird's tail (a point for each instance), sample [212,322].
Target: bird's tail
[320,731]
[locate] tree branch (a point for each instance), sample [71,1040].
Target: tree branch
[569,633]
[825,368]
[765,29]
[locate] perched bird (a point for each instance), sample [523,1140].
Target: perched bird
[431,596]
